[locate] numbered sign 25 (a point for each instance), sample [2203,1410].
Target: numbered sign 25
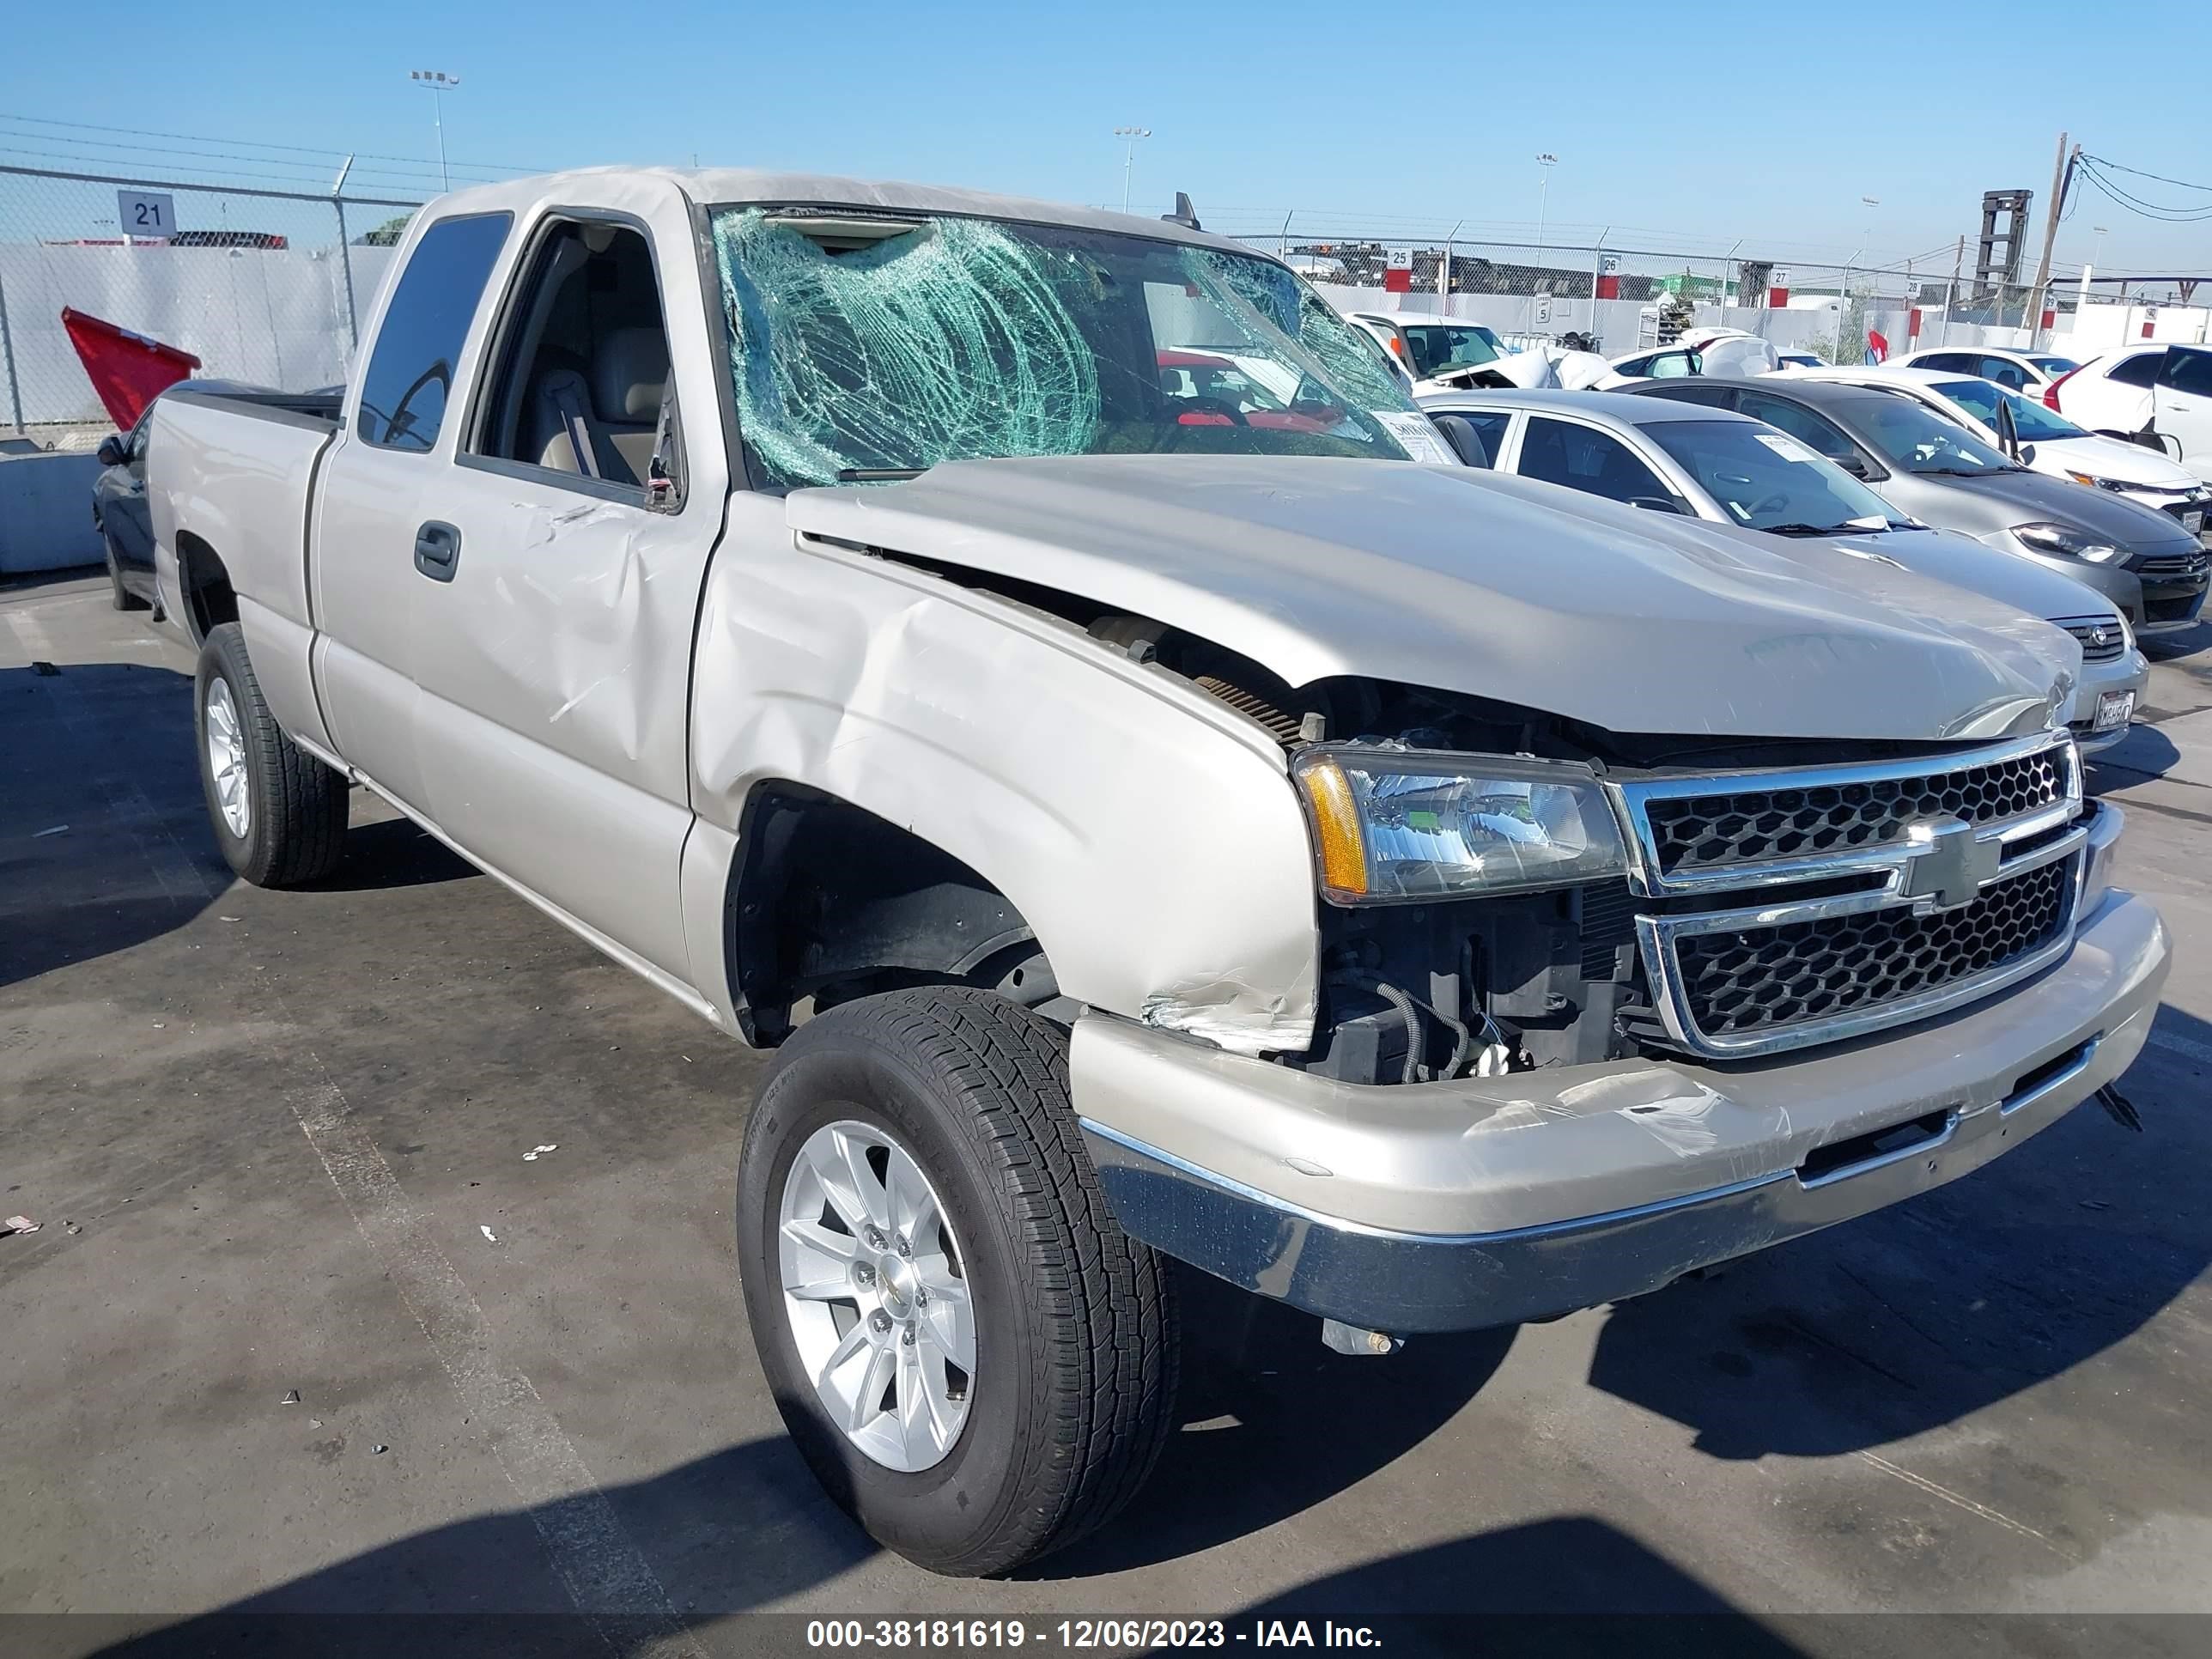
[145,213]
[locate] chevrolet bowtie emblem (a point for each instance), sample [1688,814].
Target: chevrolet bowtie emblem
[1950,866]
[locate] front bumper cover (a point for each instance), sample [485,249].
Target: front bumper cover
[1488,1202]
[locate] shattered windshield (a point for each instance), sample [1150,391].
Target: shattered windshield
[866,346]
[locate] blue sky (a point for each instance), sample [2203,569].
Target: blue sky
[1675,119]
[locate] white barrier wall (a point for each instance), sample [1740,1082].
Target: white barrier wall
[276,317]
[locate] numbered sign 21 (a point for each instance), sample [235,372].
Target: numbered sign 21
[145,213]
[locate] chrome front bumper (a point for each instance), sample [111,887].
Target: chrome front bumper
[1488,1202]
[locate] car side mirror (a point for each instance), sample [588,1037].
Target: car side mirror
[114,450]
[1854,465]
[1657,504]
[1459,432]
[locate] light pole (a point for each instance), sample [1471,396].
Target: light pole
[1545,163]
[2097,250]
[438,83]
[1129,135]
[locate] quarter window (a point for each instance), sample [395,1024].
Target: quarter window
[419,345]
[2139,370]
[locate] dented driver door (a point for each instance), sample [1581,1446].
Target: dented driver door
[555,648]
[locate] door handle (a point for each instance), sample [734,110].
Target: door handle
[437,551]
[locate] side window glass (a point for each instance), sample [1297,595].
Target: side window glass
[2188,371]
[2004,373]
[419,345]
[1592,462]
[1487,429]
[1801,424]
[2139,371]
[1674,365]
[582,384]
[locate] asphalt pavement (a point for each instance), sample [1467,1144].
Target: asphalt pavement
[305,1329]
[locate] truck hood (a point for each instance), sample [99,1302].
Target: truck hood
[1467,582]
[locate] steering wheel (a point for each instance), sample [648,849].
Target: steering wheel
[1190,406]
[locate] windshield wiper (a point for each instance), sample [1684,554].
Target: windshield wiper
[1966,471]
[879,474]
[1806,529]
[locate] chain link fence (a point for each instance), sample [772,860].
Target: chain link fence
[260,285]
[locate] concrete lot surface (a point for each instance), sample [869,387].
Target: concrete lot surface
[277,1142]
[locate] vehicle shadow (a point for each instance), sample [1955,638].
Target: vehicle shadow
[1916,1316]
[1570,1585]
[1272,1423]
[723,1535]
[103,836]
[2145,752]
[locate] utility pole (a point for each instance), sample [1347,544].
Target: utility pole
[2062,175]
[1951,294]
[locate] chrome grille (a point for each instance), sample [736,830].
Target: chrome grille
[2184,564]
[1751,825]
[1788,909]
[2101,637]
[1757,979]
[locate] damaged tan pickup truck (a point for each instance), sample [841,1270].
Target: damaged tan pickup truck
[1029,667]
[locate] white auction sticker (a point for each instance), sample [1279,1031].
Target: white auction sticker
[1788,448]
[1421,439]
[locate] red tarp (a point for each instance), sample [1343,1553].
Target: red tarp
[128,370]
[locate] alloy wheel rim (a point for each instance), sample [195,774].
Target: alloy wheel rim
[875,1291]
[226,747]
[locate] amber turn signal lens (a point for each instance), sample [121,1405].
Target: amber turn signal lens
[1336,828]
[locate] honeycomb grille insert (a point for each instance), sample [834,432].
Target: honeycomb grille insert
[1708,832]
[1742,983]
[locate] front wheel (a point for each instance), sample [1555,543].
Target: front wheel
[279,814]
[975,1359]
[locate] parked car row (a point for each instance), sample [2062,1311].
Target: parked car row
[1689,456]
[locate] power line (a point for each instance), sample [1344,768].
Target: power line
[2136,205]
[258,143]
[2160,178]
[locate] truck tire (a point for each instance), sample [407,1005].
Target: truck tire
[279,813]
[954,1101]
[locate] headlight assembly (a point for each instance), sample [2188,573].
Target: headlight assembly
[1401,824]
[2094,482]
[2045,537]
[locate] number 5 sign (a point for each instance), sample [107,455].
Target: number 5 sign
[143,213]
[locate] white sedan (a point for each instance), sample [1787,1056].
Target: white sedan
[2049,442]
[2027,372]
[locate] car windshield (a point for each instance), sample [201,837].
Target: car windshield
[1440,348]
[864,346]
[2032,421]
[1908,435]
[1766,480]
[2054,366]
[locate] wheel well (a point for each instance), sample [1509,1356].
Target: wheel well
[829,901]
[203,584]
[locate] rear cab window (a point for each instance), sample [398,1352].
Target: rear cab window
[410,377]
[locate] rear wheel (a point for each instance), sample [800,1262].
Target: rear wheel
[279,814]
[976,1360]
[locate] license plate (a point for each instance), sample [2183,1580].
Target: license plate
[2193,521]
[2114,710]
